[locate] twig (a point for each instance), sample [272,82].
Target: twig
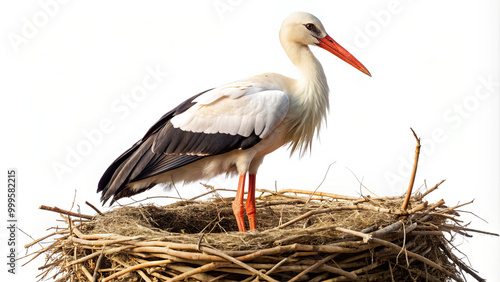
[460,263]
[98,265]
[39,252]
[318,264]
[158,275]
[34,242]
[140,272]
[280,264]
[321,183]
[144,276]
[87,273]
[175,187]
[413,173]
[58,210]
[73,203]
[212,190]
[145,199]
[235,261]
[135,267]
[456,207]
[199,274]
[358,271]
[452,227]
[94,208]
[418,207]
[103,242]
[349,275]
[388,229]
[179,254]
[93,255]
[424,275]
[321,194]
[45,237]
[201,269]
[420,197]
[366,237]
[361,183]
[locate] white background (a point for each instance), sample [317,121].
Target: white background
[67,67]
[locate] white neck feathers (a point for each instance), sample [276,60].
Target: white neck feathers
[310,101]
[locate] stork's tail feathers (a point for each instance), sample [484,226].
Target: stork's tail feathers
[118,175]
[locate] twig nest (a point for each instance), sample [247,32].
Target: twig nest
[297,239]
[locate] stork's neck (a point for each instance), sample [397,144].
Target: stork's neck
[311,92]
[312,77]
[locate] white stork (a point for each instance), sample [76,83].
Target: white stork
[231,128]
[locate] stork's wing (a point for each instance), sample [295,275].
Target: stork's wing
[235,116]
[236,109]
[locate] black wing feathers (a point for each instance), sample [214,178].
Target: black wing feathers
[164,148]
[177,111]
[113,168]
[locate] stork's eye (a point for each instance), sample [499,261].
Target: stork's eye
[310,26]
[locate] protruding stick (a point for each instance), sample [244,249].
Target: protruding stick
[58,210]
[93,207]
[430,190]
[404,206]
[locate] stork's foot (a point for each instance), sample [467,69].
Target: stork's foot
[239,214]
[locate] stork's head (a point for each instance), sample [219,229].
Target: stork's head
[304,29]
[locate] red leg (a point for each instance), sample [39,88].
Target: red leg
[238,210]
[250,203]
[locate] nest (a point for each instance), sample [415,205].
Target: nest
[301,236]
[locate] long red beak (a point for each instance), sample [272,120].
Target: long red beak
[333,47]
